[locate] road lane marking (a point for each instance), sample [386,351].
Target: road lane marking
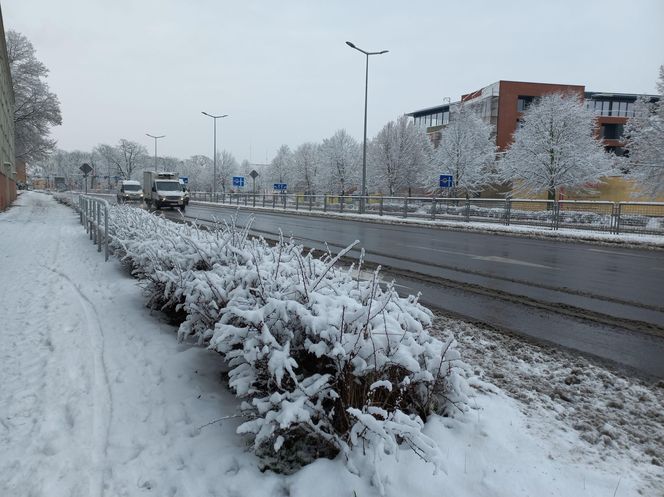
[505,260]
[492,258]
[619,253]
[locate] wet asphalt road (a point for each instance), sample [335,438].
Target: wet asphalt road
[603,300]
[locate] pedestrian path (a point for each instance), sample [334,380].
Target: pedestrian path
[96,395]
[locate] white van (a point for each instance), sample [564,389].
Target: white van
[129,190]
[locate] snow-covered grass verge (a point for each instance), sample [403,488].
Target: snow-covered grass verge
[324,361]
[616,418]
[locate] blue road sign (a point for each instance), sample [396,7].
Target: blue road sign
[238,181]
[184,179]
[280,186]
[446,181]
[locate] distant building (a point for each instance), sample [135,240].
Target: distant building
[7,167]
[501,104]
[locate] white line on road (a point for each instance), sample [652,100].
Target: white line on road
[505,260]
[492,258]
[619,253]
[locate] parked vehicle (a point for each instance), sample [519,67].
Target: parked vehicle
[129,191]
[162,190]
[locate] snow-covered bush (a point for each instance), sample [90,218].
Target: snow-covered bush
[324,361]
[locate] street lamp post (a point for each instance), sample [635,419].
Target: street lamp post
[364,146]
[155,148]
[214,178]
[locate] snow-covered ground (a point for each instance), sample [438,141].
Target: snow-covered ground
[98,397]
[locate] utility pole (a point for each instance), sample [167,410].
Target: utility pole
[364,146]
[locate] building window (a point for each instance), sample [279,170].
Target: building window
[523,102]
[606,108]
[446,117]
[622,109]
[630,109]
[611,131]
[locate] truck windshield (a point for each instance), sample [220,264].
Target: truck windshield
[168,186]
[131,188]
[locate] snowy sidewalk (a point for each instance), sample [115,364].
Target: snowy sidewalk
[97,397]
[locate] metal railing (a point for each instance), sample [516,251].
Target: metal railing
[591,215]
[93,213]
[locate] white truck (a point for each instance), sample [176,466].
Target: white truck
[162,190]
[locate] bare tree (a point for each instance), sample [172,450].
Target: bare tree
[306,161]
[282,165]
[466,152]
[555,147]
[199,170]
[36,109]
[171,164]
[340,161]
[227,166]
[399,154]
[124,159]
[645,142]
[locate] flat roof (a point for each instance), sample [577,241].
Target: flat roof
[587,94]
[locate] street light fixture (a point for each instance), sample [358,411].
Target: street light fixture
[364,146]
[155,147]
[214,179]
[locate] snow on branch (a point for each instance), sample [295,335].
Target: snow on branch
[324,362]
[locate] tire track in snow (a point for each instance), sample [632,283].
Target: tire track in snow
[103,405]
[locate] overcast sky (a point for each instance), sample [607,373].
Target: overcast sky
[281,70]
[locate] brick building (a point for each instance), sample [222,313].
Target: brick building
[7,166]
[501,104]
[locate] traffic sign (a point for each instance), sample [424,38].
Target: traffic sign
[446,181]
[184,179]
[85,168]
[253,174]
[238,181]
[280,186]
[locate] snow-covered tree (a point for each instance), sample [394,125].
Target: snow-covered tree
[340,163]
[168,163]
[36,109]
[198,168]
[227,166]
[466,151]
[251,185]
[306,162]
[645,141]
[281,166]
[124,160]
[398,155]
[556,146]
